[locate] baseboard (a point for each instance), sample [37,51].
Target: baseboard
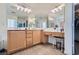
[48,43]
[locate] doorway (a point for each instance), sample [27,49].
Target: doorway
[76,29]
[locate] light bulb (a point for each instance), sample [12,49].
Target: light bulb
[56,9]
[26,9]
[60,8]
[29,10]
[53,11]
[18,7]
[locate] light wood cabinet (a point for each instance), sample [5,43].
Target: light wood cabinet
[29,38]
[16,40]
[45,37]
[36,36]
[19,39]
[29,42]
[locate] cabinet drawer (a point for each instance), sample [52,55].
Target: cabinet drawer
[29,35]
[58,34]
[48,33]
[29,42]
[29,39]
[29,32]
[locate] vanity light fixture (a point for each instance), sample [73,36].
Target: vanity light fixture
[28,10]
[58,8]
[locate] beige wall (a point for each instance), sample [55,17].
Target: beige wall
[3,25]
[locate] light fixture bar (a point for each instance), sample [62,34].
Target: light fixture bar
[58,8]
[27,10]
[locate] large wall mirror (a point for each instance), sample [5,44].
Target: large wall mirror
[36,20]
[41,21]
[56,20]
[16,18]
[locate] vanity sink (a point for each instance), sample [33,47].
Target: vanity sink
[34,28]
[51,30]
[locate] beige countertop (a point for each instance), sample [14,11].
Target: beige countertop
[44,29]
[30,28]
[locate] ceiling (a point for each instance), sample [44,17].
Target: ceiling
[37,8]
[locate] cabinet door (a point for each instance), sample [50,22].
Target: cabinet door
[16,40]
[45,37]
[36,37]
[21,39]
[12,43]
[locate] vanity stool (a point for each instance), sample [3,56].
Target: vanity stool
[60,43]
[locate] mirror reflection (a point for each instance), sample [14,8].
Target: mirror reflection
[53,20]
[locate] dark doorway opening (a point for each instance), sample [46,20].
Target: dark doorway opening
[76,28]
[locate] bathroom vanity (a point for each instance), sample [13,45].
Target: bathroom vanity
[20,39]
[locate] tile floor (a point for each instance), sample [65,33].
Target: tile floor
[76,48]
[40,50]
